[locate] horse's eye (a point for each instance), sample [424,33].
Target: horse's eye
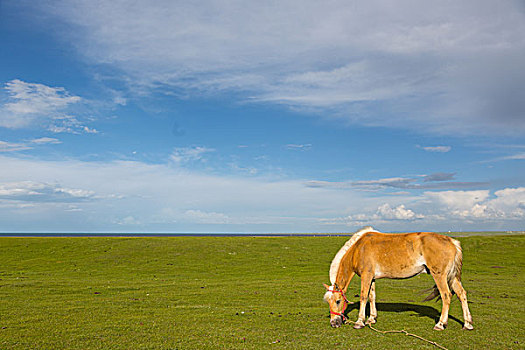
[338,302]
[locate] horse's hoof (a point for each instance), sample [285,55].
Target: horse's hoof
[370,321]
[359,325]
[468,326]
[439,327]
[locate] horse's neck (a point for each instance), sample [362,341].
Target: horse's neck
[342,268]
[345,271]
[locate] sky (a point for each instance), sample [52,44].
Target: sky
[250,116]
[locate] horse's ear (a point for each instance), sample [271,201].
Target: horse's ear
[326,286]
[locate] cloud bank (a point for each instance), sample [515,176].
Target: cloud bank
[73,195]
[446,210]
[447,68]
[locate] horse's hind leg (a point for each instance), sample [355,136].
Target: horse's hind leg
[366,281]
[462,296]
[373,310]
[446,296]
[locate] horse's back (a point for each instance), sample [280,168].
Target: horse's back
[402,255]
[412,239]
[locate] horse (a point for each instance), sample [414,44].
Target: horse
[373,255]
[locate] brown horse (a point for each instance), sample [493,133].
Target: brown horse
[372,255]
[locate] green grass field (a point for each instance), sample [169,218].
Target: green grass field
[236,292]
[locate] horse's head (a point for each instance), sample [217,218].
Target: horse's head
[336,298]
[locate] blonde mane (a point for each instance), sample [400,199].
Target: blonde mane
[334,267]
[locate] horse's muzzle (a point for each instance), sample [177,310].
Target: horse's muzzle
[336,322]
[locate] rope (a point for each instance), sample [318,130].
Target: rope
[405,333]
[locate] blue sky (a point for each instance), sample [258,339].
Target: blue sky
[242,116]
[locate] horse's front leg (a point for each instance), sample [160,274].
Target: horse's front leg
[366,281]
[373,310]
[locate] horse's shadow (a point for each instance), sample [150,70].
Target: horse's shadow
[419,310]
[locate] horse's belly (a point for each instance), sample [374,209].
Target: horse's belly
[398,271]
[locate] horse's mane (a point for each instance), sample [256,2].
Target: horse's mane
[334,267]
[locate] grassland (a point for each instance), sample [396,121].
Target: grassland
[235,292]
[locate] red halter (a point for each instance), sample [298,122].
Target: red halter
[346,302]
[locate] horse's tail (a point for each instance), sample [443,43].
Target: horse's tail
[453,273]
[434,293]
[455,270]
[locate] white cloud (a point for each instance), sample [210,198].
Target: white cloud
[443,210]
[386,212]
[27,145]
[508,203]
[13,147]
[299,147]
[69,124]
[182,155]
[440,149]
[519,156]
[89,130]
[458,200]
[39,105]
[30,191]
[451,67]
[478,211]
[30,103]
[516,156]
[46,140]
